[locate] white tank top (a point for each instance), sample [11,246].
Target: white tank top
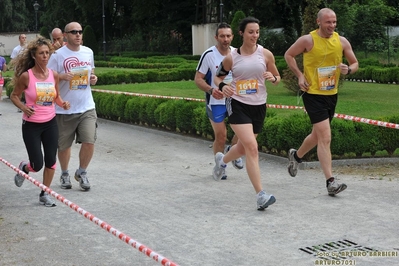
[248,78]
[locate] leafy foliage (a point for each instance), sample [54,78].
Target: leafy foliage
[237,40]
[165,26]
[89,39]
[45,32]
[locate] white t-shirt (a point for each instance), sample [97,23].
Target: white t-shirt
[210,61]
[16,51]
[77,91]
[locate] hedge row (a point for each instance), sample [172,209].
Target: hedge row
[279,134]
[165,71]
[377,74]
[159,75]
[141,65]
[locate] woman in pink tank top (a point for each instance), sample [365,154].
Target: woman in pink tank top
[39,127]
[251,65]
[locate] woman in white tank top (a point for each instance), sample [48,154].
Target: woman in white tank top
[251,66]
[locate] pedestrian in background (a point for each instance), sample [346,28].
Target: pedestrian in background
[17,49]
[58,38]
[3,68]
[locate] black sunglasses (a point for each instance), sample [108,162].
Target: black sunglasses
[74,32]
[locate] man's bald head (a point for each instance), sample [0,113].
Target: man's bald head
[58,38]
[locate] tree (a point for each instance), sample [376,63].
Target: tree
[309,24]
[45,32]
[237,40]
[14,16]
[89,39]
[372,35]
[393,21]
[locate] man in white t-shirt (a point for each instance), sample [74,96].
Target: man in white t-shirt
[17,49]
[75,66]
[215,101]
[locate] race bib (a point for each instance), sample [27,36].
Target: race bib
[245,87]
[327,77]
[45,93]
[80,78]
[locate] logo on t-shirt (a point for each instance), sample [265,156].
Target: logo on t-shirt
[80,70]
[73,62]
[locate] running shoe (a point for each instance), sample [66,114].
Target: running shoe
[218,170]
[46,200]
[334,188]
[18,178]
[237,163]
[83,180]
[65,181]
[264,200]
[293,164]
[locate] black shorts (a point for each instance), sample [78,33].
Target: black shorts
[320,107]
[241,113]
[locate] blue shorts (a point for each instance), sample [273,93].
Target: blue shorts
[216,113]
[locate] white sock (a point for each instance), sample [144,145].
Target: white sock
[222,163]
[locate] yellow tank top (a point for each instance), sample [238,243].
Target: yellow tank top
[321,64]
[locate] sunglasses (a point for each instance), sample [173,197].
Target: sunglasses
[74,32]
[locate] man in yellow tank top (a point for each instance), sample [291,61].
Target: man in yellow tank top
[322,60]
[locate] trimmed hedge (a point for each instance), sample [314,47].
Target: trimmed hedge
[279,133]
[160,75]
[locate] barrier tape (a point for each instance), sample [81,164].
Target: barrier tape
[367,121]
[149,95]
[277,106]
[125,238]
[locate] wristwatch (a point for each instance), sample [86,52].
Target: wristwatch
[210,91]
[349,71]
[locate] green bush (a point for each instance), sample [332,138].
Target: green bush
[45,32]
[150,111]
[293,130]
[185,115]
[367,139]
[165,115]
[119,105]
[89,39]
[143,114]
[389,137]
[121,77]
[106,105]
[132,110]
[9,88]
[343,136]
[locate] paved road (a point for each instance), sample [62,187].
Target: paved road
[157,188]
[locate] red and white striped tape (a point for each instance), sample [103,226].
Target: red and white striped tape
[367,121]
[149,95]
[125,238]
[277,106]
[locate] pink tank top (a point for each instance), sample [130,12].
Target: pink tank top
[40,95]
[248,80]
